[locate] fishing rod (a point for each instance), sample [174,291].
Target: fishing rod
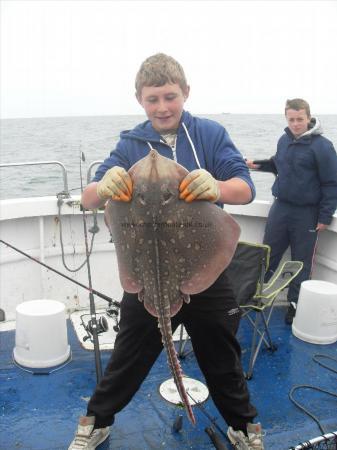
[98,362]
[99,294]
[213,435]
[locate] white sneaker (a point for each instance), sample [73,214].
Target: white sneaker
[86,438]
[253,441]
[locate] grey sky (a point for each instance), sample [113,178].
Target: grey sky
[62,58]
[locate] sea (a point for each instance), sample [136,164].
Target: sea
[79,142]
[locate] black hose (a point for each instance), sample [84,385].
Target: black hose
[308,386]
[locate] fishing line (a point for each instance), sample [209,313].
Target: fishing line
[313,254]
[94,228]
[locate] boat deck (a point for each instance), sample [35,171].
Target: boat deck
[40,412]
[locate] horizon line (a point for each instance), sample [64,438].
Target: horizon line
[144,115]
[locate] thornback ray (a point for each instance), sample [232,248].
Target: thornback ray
[168,249]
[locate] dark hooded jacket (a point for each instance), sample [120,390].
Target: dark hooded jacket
[306,171]
[201,143]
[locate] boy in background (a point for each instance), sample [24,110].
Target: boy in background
[305,193]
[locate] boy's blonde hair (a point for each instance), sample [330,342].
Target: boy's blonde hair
[158,70]
[297,104]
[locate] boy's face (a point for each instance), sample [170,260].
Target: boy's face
[298,121]
[163,105]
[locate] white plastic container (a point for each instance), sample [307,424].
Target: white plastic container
[41,334]
[316,314]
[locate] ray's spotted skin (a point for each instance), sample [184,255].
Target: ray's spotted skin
[168,249]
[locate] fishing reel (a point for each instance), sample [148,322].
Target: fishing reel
[113,312]
[101,327]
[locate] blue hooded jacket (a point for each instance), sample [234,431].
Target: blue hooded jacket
[199,141]
[306,171]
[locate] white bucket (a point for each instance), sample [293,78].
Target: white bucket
[41,334]
[316,315]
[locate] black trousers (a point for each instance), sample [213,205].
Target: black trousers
[211,320]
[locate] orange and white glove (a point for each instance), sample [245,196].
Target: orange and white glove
[116,184]
[199,185]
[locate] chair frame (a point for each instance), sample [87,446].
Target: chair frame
[264,298]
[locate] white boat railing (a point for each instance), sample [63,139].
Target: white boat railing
[33,225]
[42,163]
[94,163]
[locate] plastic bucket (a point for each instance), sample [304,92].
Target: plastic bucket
[41,334]
[316,315]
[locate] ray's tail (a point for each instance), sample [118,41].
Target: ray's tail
[164,324]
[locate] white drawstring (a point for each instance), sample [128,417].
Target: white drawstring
[149,144]
[192,145]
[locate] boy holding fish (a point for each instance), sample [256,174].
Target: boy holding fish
[217,174]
